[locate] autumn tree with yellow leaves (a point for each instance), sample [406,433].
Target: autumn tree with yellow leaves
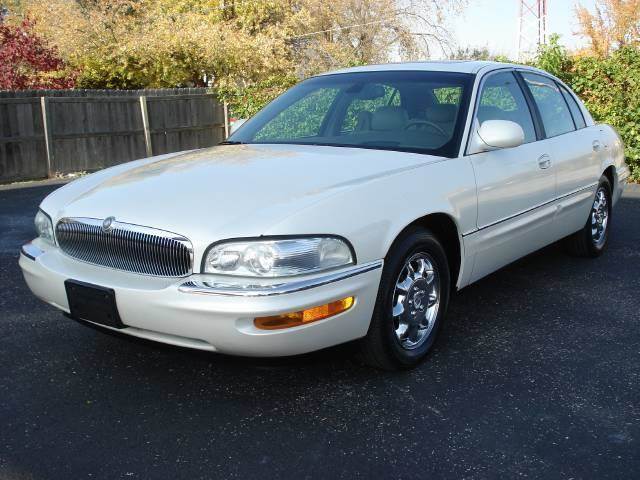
[614,24]
[168,43]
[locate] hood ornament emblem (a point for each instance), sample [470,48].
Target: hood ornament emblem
[107,224]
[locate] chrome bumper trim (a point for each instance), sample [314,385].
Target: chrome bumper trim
[30,251]
[248,289]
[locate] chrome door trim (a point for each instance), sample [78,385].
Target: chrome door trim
[529,210]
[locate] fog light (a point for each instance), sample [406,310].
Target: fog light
[313,314]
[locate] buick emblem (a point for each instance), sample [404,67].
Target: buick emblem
[107,224]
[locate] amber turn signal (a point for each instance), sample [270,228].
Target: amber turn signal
[313,314]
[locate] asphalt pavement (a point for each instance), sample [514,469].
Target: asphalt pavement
[536,375]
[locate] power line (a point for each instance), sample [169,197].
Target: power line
[224,5]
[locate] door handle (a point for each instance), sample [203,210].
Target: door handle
[544,162]
[596,146]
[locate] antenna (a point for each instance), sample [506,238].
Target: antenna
[532,28]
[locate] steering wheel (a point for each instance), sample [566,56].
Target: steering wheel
[416,124]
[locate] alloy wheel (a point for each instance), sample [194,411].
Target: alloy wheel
[416,299]
[599,218]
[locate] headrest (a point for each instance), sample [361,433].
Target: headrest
[389,118]
[442,113]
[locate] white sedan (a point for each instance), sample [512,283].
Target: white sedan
[350,208]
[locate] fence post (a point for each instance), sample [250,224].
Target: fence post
[48,136]
[226,120]
[145,125]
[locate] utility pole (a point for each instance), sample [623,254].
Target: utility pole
[532,28]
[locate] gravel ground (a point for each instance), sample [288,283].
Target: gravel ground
[537,374]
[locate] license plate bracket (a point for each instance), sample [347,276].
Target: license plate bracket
[93,303]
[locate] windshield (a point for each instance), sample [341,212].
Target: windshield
[413,111]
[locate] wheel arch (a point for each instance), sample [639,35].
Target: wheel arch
[445,228]
[613,164]
[610,173]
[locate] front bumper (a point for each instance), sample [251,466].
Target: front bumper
[208,313]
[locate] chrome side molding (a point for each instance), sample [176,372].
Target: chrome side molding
[249,289]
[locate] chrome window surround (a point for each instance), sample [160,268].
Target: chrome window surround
[251,288]
[125,246]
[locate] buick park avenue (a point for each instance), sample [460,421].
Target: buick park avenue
[348,210]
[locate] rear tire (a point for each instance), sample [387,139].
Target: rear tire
[592,239]
[412,302]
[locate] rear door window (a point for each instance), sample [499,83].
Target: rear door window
[578,118]
[552,106]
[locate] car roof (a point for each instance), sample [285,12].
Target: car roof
[459,66]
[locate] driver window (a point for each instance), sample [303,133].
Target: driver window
[502,99]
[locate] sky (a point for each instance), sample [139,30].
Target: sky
[494,24]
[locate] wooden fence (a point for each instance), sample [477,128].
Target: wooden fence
[45,133]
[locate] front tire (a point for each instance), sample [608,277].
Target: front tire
[411,304]
[592,239]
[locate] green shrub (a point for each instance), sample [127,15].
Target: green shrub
[609,87]
[244,102]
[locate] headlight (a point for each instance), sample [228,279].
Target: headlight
[44,227]
[277,258]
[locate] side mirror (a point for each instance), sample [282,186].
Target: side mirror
[494,134]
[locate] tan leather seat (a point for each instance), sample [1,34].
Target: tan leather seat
[389,118]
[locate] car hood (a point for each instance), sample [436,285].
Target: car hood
[225,191]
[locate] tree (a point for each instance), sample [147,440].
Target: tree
[554,58]
[167,43]
[475,53]
[609,87]
[355,32]
[159,43]
[27,63]
[10,7]
[614,24]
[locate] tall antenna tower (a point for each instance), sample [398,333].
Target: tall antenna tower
[532,28]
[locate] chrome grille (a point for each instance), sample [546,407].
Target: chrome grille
[125,246]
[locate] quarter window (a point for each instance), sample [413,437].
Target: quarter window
[578,118]
[502,99]
[553,109]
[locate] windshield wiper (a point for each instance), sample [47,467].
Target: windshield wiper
[231,142]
